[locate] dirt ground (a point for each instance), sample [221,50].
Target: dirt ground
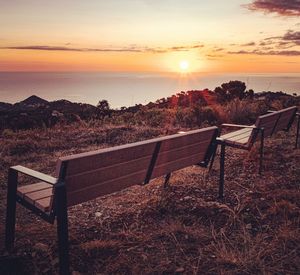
[183,229]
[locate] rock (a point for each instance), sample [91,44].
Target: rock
[98,214]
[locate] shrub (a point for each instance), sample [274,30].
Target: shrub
[22,147]
[244,111]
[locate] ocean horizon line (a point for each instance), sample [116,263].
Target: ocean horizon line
[130,88]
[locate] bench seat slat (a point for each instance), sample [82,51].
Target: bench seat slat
[240,136]
[22,190]
[38,194]
[44,204]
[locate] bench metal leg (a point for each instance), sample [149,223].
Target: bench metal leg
[62,230]
[261,151]
[297,133]
[11,209]
[167,178]
[222,171]
[212,159]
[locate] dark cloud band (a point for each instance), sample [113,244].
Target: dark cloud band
[134,49]
[281,7]
[272,52]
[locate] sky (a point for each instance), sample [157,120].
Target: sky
[216,36]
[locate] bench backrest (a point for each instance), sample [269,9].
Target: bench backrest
[267,122]
[276,121]
[273,122]
[93,174]
[286,118]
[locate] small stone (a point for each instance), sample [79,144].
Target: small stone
[249,226]
[98,214]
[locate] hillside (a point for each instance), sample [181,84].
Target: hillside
[35,112]
[183,229]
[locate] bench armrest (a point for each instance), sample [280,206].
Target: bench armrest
[238,126]
[34,174]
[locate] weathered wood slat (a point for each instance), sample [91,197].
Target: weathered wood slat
[242,141]
[88,192]
[167,167]
[44,204]
[104,188]
[182,152]
[285,117]
[88,178]
[34,174]
[176,153]
[109,156]
[105,158]
[268,122]
[22,190]
[37,195]
[240,136]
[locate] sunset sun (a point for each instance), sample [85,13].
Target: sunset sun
[184,65]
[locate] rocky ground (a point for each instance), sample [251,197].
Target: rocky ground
[182,229]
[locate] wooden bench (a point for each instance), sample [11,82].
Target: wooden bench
[83,177]
[244,138]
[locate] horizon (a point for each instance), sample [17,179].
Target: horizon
[128,89]
[240,36]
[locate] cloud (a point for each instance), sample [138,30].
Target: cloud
[289,39]
[217,49]
[292,36]
[132,48]
[281,7]
[214,56]
[69,49]
[248,44]
[266,52]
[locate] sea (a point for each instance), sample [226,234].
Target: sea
[128,88]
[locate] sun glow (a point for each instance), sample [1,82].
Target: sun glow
[184,65]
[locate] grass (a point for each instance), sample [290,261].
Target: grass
[183,229]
